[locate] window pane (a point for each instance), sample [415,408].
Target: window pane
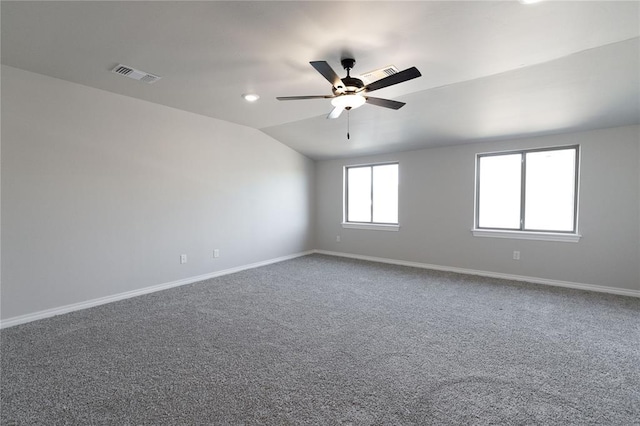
[499,191]
[550,190]
[359,194]
[385,193]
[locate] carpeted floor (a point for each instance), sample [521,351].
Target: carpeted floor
[332,341]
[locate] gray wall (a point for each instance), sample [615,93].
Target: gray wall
[101,193]
[436,213]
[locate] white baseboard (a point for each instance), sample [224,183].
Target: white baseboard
[22,319]
[545,281]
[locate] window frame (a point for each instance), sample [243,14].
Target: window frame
[380,226]
[522,232]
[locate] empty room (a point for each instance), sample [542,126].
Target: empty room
[319,212]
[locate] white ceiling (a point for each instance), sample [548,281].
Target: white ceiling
[490,70]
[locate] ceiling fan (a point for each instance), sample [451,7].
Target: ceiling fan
[350,92]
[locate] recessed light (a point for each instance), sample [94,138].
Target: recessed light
[529,1]
[250,97]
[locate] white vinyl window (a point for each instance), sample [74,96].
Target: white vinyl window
[371,195]
[534,191]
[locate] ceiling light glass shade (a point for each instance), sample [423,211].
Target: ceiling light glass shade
[348,101]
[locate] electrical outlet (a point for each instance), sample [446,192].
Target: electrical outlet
[216,253]
[183,258]
[516,255]
[337,238]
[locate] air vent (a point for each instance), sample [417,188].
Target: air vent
[135,74]
[371,76]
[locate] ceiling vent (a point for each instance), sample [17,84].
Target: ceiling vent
[371,76]
[135,74]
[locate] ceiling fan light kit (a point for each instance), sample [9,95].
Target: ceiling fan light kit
[348,101]
[350,92]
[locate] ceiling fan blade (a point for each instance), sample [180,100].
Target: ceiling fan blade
[327,72]
[335,112]
[387,103]
[295,98]
[408,74]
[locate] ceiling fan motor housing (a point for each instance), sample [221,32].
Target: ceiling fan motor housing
[351,84]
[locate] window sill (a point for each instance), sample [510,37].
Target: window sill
[527,235]
[371,226]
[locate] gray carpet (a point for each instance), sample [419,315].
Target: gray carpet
[331,341]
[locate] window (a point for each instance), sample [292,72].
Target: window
[531,191]
[371,195]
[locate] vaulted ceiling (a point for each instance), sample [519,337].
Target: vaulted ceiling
[490,70]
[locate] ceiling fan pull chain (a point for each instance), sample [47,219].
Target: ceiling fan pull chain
[347,124]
